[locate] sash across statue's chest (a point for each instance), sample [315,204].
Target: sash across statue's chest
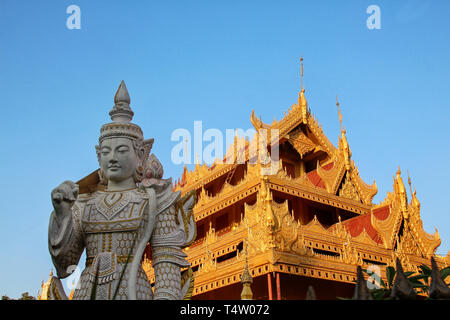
[114,211]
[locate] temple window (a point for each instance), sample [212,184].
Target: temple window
[221,222]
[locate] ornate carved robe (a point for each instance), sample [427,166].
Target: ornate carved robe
[115,228]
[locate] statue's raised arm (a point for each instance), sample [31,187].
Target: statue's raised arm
[65,240]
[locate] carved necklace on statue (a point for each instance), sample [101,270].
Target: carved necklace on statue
[111,203]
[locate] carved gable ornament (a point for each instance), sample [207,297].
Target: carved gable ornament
[301,143]
[348,190]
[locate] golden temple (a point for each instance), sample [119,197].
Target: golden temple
[310,222]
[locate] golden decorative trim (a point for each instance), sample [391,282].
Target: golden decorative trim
[294,188]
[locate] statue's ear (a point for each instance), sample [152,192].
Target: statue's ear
[147,145]
[97,150]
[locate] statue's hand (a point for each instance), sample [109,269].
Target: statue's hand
[64,196]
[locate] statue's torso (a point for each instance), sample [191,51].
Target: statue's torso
[110,221]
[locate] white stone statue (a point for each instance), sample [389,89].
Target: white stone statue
[116,224]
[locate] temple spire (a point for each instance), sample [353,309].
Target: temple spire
[197,162]
[302,103]
[339,113]
[401,192]
[301,74]
[346,150]
[409,182]
[414,201]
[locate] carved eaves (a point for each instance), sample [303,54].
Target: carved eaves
[366,191]
[427,242]
[332,178]
[389,227]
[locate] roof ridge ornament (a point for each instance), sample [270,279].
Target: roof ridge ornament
[401,193]
[301,74]
[346,150]
[414,201]
[302,103]
[339,113]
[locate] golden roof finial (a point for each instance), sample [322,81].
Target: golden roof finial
[302,103]
[346,150]
[401,190]
[414,201]
[45,294]
[409,182]
[339,113]
[301,74]
[197,161]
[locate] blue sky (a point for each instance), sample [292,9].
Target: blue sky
[214,61]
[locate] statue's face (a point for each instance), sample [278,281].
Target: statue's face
[118,159]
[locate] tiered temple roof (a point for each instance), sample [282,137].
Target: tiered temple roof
[313,217]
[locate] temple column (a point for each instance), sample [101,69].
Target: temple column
[278,287]
[269,286]
[302,169]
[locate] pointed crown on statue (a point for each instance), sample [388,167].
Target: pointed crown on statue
[121,116]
